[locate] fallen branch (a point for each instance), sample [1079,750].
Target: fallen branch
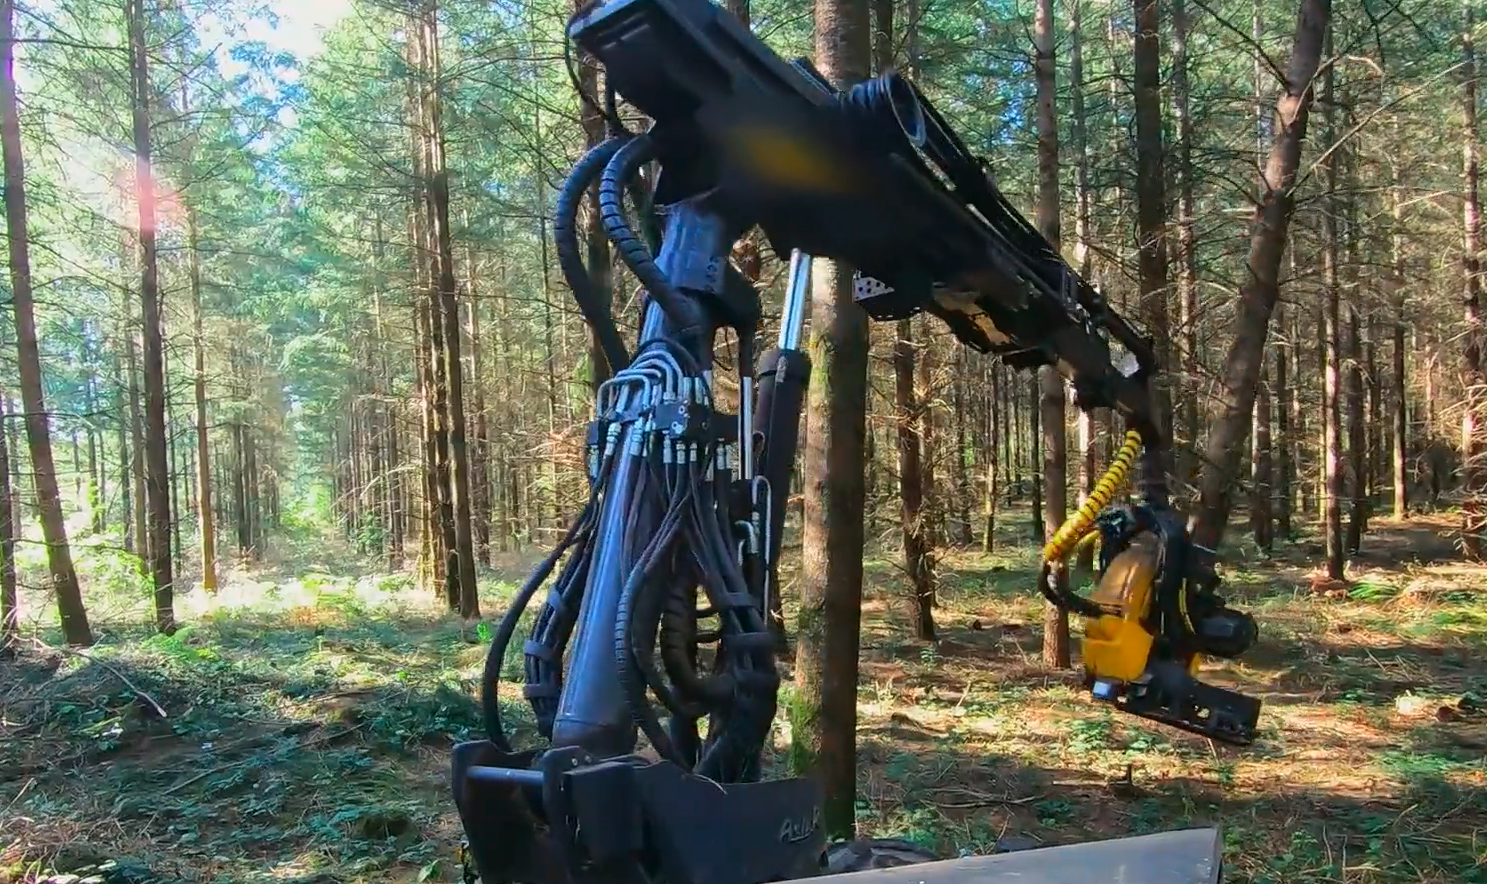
[979,799]
[139,694]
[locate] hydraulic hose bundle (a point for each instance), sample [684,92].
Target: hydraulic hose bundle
[656,444]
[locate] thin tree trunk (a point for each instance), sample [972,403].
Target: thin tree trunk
[9,609]
[173,472]
[1358,459]
[1398,391]
[1079,132]
[1187,249]
[95,485]
[1260,463]
[993,460]
[1151,206]
[934,500]
[157,462]
[1285,463]
[1258,295]
[253,521]
[824,710]
[1050,384]
[961,467]
[137,457]
[75,627]
[918,552]
[1088,421]
[207,526]
[463,563]
[1474,470]
[1331,334]
[480,498]
[121,427]
[240,492]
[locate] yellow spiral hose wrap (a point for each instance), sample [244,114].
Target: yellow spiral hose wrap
[1073,529]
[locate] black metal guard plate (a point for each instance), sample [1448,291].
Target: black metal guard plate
[655,815]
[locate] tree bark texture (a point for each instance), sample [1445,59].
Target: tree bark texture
[1151,199]
[1187,251]
[1473,423]
[1050,383]
[75,627]
[1333,485]
[207,528]
[157,457]
[462,564]
[918,552]
[1260,291]
[824,717]
[9,610]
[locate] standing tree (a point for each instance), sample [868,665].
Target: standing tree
[157,459]
[824,715]
[1050,382]
[75,626]
[9,612]
[1332,384]
[1151,199]
[1261,290]
[1473,377]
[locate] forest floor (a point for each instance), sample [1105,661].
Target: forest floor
[309,708]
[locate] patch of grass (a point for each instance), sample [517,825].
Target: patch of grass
[310,711]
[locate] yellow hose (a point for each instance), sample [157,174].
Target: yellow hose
[1072,530]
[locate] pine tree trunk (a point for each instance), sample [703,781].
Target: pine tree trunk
[934,500]
[137,458]
[9,609]
[75,627]
[464,595]
[1377,420]
[1474,469]
[918,553]
[1285,463]
[157,457]
[96,520]
[1187,250]
[1258,295]
[121,427]
[356,482]
[1050,385]
[993,461]
[1398,403]
[240,492]
[1079,132]
[1151,207]
[1088,421]
[1357,436]
[174,470]
[1331,337]
[1260,464]
[252,505]
[961,466]
[480,497]
[207,528]
[824,711]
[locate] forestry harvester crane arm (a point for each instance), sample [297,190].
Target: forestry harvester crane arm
[662,610]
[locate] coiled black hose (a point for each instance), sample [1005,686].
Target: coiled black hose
[685,316]
[565,239]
